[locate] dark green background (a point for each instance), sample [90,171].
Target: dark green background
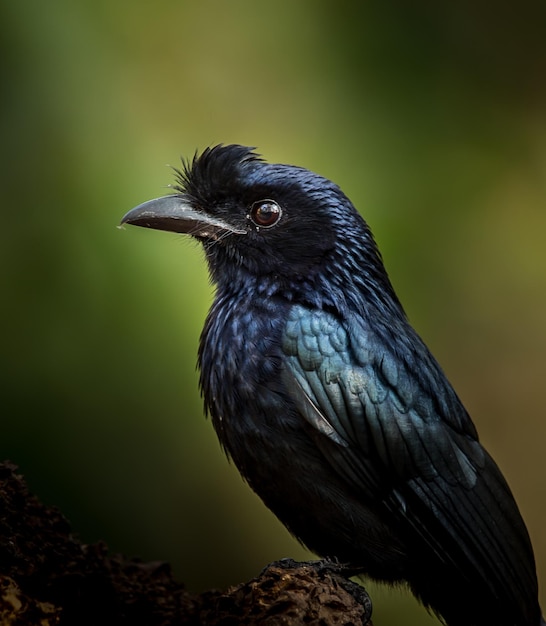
[432,118]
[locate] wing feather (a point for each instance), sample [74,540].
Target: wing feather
[403,435]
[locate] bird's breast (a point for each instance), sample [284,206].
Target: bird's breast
[241,361]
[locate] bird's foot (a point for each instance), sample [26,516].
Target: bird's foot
[327,564]
[341,572]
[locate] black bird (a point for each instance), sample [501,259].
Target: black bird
[330,404]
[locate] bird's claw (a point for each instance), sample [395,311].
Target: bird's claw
[319,565]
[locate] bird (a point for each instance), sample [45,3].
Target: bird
[330,404]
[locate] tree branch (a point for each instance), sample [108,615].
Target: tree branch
[48,577]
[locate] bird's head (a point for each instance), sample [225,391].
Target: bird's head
[275,223]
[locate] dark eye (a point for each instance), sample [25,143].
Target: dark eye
[265,213]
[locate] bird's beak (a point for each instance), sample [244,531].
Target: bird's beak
[175,214]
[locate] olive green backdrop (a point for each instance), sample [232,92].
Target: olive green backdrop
[432,118]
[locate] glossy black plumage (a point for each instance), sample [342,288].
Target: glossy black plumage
[330,404]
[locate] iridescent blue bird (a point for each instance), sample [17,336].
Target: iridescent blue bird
[329,403]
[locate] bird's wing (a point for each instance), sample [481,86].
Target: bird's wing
[352,386]
[392,426]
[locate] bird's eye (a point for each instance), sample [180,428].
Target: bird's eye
[265,213]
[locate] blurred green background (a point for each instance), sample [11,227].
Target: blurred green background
[432,118]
